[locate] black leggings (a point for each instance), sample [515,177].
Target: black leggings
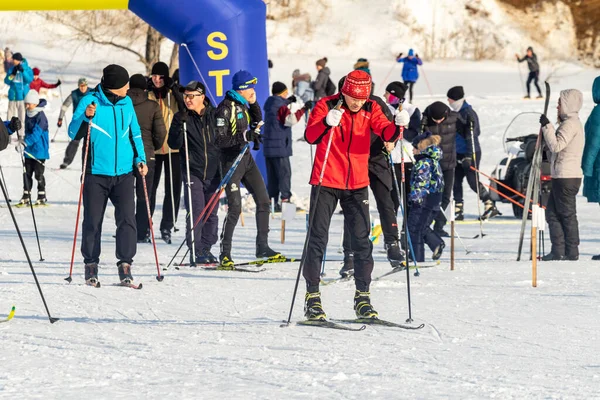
[533,76]
[410,85]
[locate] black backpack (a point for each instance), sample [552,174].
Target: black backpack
[330,88]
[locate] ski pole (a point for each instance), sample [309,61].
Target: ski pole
[323,262]
[174,215]
[189,196]
[312,217]
[159,277]
[87,149]
[55,133]
[214,197]
[28,186]
[477,182]
[3,179]
[5,193]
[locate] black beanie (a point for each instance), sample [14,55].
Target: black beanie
[438,110]
[160,68]
[18,57]
[456,93]
[114,77]
[278,88]
[138,81]
[397,89]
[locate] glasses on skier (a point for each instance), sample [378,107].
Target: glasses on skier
[253,81]
[190,96]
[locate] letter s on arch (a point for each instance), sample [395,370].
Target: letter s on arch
[213,41]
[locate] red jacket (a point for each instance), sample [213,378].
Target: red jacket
[348,163]
[38,83]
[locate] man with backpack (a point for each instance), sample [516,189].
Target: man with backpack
[322,85]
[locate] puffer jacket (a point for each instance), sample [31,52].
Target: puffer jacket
[447,131]
[319,85]
[427,176]
[566,142]
[410,72]
[19,83]
[348,161]
[150,119]
[115,138]
[591,152]
[170,101]
[36,133]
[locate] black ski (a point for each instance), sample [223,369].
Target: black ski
[534,175]
[258,262]
[403,267]
[247,268]
[330,325]
[326,282]
[377,321]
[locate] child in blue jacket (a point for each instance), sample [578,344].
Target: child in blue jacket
[35,147]
[425,197]
[410,72]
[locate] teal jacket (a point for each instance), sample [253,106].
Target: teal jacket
[19,83]
[115,138]
[590,162]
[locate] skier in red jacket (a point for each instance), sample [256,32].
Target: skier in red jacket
[38,83]
[345,179]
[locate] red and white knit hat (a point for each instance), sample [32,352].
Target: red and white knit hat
[357,85]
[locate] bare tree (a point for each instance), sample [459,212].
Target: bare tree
[174,62]
[119,29]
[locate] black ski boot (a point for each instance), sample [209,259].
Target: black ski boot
[225,262]
[439,229]
[91,274]
[63,166]
[437,253]
[459,212]
[362,305]
[348,267]
[313,310]
[553,257]
[165,234]
[125,273]
[206,257]
[25,199]
[41,200]
[394,255]
[490,210]
[264,251]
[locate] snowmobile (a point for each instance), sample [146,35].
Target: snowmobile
[513,171]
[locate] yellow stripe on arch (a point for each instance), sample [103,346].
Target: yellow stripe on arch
[49,5]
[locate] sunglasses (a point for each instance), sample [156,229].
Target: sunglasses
[254,81]
[191,96]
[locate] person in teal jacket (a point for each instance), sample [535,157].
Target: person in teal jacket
[590,162]
[18,77]
[116,147]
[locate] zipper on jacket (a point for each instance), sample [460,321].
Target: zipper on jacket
[205,150]
[349,143]
[122,120]
[116,138]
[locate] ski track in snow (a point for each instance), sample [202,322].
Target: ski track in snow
[204,334]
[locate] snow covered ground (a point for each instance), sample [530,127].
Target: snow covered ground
[202,334]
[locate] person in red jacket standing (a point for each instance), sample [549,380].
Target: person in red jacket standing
[38,83]
[345,179]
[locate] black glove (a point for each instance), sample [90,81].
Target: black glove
[58,83]
[19,68]
[309,105]
[292,99]
[254,136]
[15,124]
[544,120]
[59,122]
[400,55]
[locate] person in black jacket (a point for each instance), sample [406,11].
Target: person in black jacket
[153,135]
[467,147]
[440,120]
[534,71]
[381,184]
[238,119]
[199,117]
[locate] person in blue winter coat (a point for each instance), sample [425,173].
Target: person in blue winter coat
[590,162]
[410,72]
[468,154]
[35,147]
[426,190]
[115,148]
[277,141]
[18,77]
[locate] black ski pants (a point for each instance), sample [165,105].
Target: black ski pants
[279,177]
[141,212]
[205,235]
[248,174]
[419,225]
[97,190]
[533,77]
[387,214]
[440,218]
[410,85]
[167,222]
[463,170]
[71,151]
[561,215]
[355,206]
[34,168]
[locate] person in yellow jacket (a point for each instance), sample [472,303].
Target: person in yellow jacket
[163,90]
